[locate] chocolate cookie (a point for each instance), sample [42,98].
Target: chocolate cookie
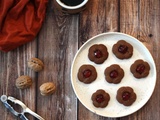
[114,74]
[140,69]
[98,53]
[100,98]
[122,49]
[87,73]
[126,96]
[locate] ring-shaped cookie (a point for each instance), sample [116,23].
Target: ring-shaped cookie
[100,98]
[114,74]
[87,73]
[140,69]
[126,96]
[98,53]
[122,49]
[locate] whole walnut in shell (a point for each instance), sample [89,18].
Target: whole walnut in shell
[23,82]
[47,88]
[35,64]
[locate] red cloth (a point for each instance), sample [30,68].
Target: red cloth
[20,21]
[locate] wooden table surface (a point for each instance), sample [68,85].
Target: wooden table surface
[58,41]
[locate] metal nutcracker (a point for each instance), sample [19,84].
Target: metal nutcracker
[25,109]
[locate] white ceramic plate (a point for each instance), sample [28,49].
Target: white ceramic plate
[143,87]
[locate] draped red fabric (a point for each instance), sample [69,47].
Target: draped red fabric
[20,21]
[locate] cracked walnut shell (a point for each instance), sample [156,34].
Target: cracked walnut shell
[47,88]
[23,82]
[35,64]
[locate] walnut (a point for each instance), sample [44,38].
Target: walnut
[23,82]
[35,64]
[47,88]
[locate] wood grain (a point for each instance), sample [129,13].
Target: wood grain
[100,16]
[140,19]
[149,25]
[14,64]
[58,42]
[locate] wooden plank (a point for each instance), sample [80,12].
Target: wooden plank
[58,43]
[129,21]
[129,24]
[14,64]
[140,19]
[100,16]
[149,36]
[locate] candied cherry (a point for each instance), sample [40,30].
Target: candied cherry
[113,74]
[126,96]
[98,53]
[123,49]
[140,68]
[87,73]
[99,98]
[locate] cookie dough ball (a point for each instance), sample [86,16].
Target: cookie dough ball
[87,74]
[100,98]
[98,53]
[114,74]
[35,64]
[122,50]
[126,96]
[140,69]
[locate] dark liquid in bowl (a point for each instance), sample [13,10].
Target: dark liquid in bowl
[72,2]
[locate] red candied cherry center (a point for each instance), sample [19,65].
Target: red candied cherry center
[123,49]
[87,73]
[98,53]
[99,98]
[140,68]
[113,74]
[126,96]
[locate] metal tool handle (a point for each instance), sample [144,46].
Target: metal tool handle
[23,117]
[25,109]
[33,113]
